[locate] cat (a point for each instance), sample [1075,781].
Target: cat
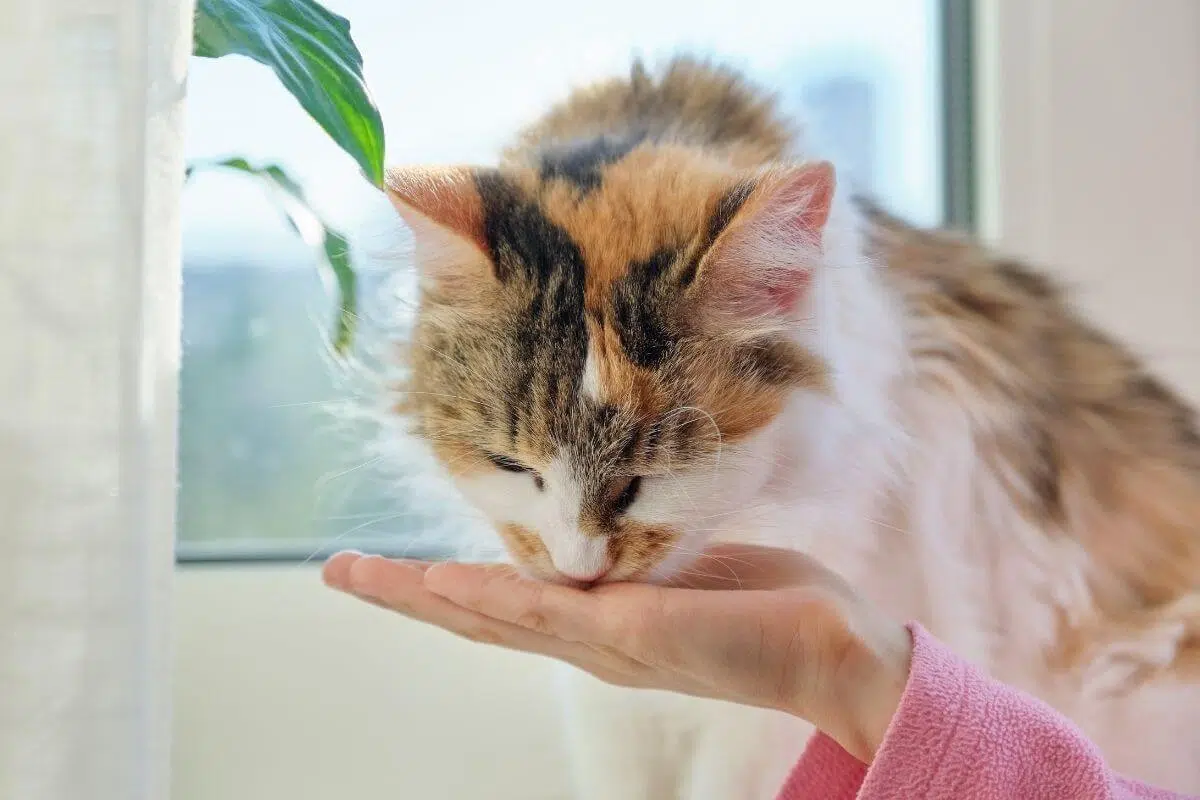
[660,321]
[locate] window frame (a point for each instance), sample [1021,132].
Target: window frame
[957,67]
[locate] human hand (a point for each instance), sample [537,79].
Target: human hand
[752,625]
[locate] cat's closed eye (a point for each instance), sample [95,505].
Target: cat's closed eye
[512,465]
[628,495]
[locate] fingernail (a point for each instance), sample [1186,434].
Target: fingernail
[356,573]
[339,578]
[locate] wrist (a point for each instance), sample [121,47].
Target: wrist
[867,682]
[876,697]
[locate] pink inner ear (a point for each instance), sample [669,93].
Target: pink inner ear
[765,261]
[783,297]
[446,196]
[809,193]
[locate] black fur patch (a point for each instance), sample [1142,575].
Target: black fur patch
[582,162]
[727,208]
[643,301]
[541,261]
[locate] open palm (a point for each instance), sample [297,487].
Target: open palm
[753,625]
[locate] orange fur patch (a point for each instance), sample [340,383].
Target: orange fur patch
[1088,444]
[636,549]
[526,546]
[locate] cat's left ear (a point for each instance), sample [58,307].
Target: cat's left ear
[757,272]
[443,209]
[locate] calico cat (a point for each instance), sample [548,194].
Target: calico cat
[660,321]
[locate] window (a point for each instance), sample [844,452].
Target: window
[268,467]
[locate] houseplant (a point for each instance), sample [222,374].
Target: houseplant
[311,51]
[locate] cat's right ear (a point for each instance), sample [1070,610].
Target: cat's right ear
[443,209]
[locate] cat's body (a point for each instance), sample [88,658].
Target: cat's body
[950,436]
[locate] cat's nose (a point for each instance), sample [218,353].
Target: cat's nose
[579,559]
[585,577]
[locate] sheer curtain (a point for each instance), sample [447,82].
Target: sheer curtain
[90,173]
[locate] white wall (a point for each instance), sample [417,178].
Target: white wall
[1090,155]
[286,690]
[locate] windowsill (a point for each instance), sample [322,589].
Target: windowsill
[286,689]
[252,552]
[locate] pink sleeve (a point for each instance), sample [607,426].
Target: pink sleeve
[956,734]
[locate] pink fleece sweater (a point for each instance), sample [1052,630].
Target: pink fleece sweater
[959,735]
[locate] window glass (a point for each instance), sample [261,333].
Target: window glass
[276,438]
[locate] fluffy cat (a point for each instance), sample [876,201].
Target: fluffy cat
[659,322]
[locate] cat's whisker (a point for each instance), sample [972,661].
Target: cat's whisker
[733,574]
[410,513]
[705,554]
[887,525]
[324,545]
[330,403]
[774,505]
[676,482]
[460,398]
[359,516]
[332,476]
[472,370]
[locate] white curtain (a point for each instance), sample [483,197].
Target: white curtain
[90,174]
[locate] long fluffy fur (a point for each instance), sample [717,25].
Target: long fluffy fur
[934,421]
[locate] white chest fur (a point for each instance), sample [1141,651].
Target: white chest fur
[945,548]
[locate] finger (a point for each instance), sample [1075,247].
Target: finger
[617,621]
[336,572]
[397,586]
[500,593]
[394,584]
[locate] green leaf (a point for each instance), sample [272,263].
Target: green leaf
[337,251]
[311,51]
[331,247]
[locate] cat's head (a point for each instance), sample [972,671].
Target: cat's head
[600,344]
